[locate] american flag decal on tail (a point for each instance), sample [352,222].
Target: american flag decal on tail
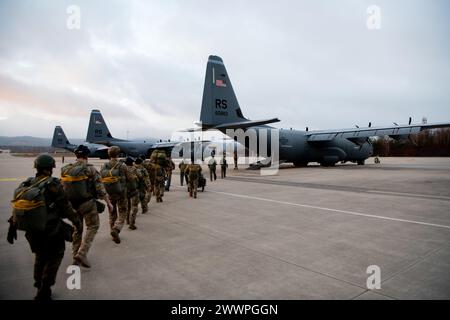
[220,83]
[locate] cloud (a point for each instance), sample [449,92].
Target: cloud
[142,63]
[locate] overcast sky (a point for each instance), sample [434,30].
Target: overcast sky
[310,63]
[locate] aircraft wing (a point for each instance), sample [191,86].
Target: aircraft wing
[232,125]
[164,145]
[244,124]
[170,145]
[358,135]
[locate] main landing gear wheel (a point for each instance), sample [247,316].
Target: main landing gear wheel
[328,164]
[301,164]
[360,162]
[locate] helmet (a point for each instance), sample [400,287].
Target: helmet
[129,161]
[138,161]
[114,151]
[44,161]
[82,151]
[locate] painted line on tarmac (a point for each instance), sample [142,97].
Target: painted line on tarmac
[11,179]
[414,195]
[332,210]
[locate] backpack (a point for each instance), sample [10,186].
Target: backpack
[76,182]
[194,171]
[112,180]
[29,205]
[140,171]
[159,157]
[159,172]
[132,182]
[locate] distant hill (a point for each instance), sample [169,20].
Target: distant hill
[30,141]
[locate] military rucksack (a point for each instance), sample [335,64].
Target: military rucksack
[159,157]
[194,171]
[141,173]
[132,182]
[75,181]
[29,205]
[159,172]
[112,179]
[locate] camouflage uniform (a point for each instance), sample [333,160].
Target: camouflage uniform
[182,166]
[144,184]
[159,173]
[87,211]
[119,201]
[194,172]
[49,246]
[148,165]
[223,167]
[169,168]
[132,196]
[212,164]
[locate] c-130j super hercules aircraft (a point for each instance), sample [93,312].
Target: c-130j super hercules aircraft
[221,111]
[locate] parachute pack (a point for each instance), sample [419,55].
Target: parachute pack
[29,206]
[159,157]
[141,171]
[132,182]
[194,171]
[112,180]
[76,182]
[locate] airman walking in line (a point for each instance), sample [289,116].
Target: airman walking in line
[182,166]
[115,176]
[160,174]
[212,164]
[143,185]
[223,167]
[169,168]
[82,185]
[41,219]
[147,164]
[194,171]
[132,193]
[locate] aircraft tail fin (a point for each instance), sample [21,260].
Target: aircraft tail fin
[98,130]
[60,140]
[220,106]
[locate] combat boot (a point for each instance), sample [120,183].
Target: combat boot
[115,235]
[75,262]
[82,260]
[44,294]
[132,227]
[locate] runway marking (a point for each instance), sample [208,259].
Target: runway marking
[310,185]
[333,210]
[417,195]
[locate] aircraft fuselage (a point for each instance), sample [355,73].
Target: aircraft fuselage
[294,147]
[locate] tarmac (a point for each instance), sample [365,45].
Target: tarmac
[305,233]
